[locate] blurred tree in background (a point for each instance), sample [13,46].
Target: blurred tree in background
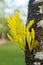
[3,25]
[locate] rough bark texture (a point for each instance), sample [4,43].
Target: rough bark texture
[33,9]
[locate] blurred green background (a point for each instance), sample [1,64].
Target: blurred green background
[10,54]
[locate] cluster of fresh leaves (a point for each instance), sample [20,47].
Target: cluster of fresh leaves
[19,34]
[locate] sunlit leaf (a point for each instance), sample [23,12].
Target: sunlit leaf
[19,34]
